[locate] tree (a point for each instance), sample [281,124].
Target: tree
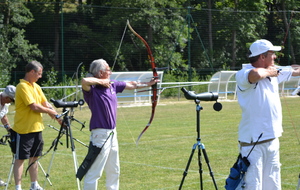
[162,23]
[101,26]
[242,22]
[15,49]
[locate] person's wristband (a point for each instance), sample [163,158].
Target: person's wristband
[6,126]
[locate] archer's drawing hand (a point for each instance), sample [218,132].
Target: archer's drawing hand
[273,71]
[105,82]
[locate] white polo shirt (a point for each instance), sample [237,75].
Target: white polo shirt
[3,109]
[260,104]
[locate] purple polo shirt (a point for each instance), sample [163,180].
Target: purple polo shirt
[103,104]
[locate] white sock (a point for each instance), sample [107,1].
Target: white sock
[34,184]
[18,187]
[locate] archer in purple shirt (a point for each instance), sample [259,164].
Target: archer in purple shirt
[103,104]
[100,93]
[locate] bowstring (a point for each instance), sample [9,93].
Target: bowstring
[127,126]
[118,51]
[289,112]
[112,68]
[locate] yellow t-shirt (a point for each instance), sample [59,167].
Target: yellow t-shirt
[27,120]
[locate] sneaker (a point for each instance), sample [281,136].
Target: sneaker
[2,183]
[37,187]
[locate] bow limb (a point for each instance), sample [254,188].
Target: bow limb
[155,76]
[77,80]
[53,143]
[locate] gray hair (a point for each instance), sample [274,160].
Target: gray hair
[96,66]
[33,65]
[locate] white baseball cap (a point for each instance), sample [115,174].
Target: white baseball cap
[262,46]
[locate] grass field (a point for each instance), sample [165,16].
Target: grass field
[158,162]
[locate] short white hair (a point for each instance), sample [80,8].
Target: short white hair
[96,66]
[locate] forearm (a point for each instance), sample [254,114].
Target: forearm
[136,85]
[42,109]
[258,74]
[5,122]
[88,81]
[46,107]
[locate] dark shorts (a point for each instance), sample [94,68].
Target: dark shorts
[29,145]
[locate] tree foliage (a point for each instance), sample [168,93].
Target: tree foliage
[14,47]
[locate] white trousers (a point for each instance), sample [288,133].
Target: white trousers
[107,160]
[264,170]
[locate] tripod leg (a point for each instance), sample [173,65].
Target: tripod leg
[187,166]
[74,156]
[55,142]
[298,187]
[200,167]
[10,172]
[76,168]
[49,168]
[209,167]
[44,173]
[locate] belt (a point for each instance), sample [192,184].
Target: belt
[253,143]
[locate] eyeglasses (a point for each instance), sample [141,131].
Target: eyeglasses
[271,52]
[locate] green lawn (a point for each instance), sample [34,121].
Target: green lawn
[158,162]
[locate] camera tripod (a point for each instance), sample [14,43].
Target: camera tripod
[298,187]
[65,129]
[200,147]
